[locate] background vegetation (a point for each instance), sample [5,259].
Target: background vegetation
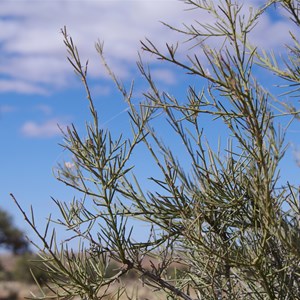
[11,237]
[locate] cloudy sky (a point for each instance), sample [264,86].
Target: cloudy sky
[38,88]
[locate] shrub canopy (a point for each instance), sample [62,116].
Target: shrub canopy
[224,218]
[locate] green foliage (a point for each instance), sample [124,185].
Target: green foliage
[4,275]
[11,237]
[29,268]
[224,217]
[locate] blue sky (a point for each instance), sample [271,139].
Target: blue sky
[38,88]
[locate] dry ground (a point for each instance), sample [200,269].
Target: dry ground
[13,290]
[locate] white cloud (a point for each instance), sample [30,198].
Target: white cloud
[49,128]
[100,90]
[32,43]
[24,87]
[7,108]
[272,35]
[45,109]
[163,76]
[34,57]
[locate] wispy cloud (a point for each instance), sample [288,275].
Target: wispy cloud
[34,55]
[33,48]
[47,129]
[164,76]
[21,86]
[7,108]
[45,109]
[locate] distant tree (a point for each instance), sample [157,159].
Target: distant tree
[11,237]
[220,213]
[28,264]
